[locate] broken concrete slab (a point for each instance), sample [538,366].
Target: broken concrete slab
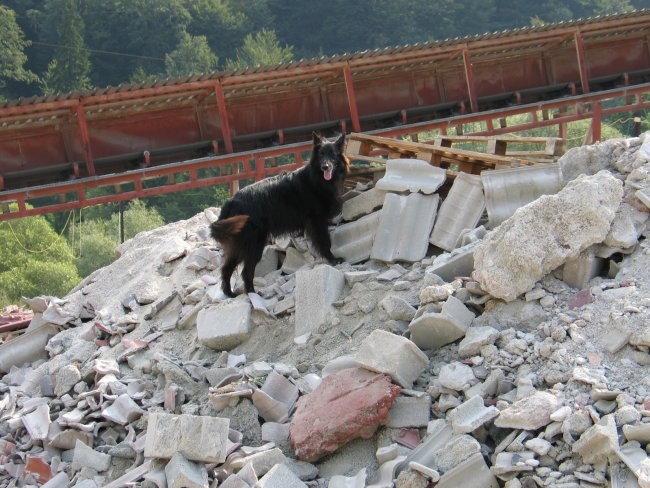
[598,441]
[383,352]
[475,338]
[182,473]
[529,413]
[198,438]
[432,330]
[224,325]
[280,476]
[404,227]
[411,175]
[363,204]
[471,473]
[316,290]
[461,210]
[470,415]
[410,412]
[353,241]
[508,262]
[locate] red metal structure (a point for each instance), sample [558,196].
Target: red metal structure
[137,141]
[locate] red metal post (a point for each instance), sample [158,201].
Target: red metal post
[469,78]
[85,139]
[352,99]
[223,116]
[582,64]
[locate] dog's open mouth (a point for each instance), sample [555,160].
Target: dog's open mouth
[327,169]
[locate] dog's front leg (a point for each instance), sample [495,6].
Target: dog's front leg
[320,237]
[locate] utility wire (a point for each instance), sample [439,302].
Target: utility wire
[98,51]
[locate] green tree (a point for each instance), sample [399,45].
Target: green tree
[260,49]
[69,70]
[192,55]
[13,57]
[35,260]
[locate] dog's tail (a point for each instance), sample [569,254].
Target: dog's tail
[226,228]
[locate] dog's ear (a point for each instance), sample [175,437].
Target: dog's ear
[317,139]
[340,142]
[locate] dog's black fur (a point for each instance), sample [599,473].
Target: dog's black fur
[290,203]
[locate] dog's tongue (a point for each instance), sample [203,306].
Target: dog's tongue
[327,174]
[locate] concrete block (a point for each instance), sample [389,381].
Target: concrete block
[182,473]
[644,195]
[434,330]
[414,175]
[353,241]
[404,227]
[293,261]
[280,476]
[509,464]
[224,325]
[475,338]
[578,272]
[439,433]
[471,473]
[409,412]
[86,456]
[454,452]
[363,204]
[450,266]
[598,441]
[275,432]
[508,189]
[198,438]
[269,261]
[637,432]
[470,415]
[316,290]
[393,355]
[460,211]
[261,461]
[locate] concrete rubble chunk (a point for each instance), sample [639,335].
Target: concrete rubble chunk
[316,290]
[397,308]
[410,412]
[38,422]
[508,262]
[508,464]
[182,473]
[86,456]
[363,204]
[348,404]
[123,410]
[456,376]
[475,338]
[529,413]
[404,227]
[261,461]
[224,325]
[353,241]
[411,175]
[470,415]
[280,476]
[432,330]
[471,473]
[457,450]
[579,271]
[461,210]
[198,438]
[598,441]
[356,481]
[383,352]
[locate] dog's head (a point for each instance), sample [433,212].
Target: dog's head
[328,157]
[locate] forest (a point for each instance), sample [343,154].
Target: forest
[52,46]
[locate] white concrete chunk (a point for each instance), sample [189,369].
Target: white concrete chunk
[224,325]
[598,441]
[461,210]
[316,290]
[578,271]
[353,241]
[280,476]
[450,266]
[182,473]
[86,456]
[544,234]
[470,415]
[404,227]
[411,175]
[457,450]
[363,204]
[456,376]
[475,338]
[529,413]
[432,330]
[471,473]
[383,352]
[198,438]
[409,412]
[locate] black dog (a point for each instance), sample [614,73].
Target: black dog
[290,203]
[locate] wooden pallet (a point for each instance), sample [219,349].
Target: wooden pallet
[377,149]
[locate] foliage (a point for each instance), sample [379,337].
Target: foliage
[13,58]
[192,55]
[36,260]
[69,70]
[260,49]
[97,238]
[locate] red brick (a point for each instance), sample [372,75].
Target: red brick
[347,405]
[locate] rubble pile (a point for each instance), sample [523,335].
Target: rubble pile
[440,353]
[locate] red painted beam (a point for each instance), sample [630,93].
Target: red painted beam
[223,117]
[582,64]
[85,140]
[352,99]
[469,79]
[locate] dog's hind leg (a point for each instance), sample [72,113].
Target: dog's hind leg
[227,270]
[252,257]
[320,237]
